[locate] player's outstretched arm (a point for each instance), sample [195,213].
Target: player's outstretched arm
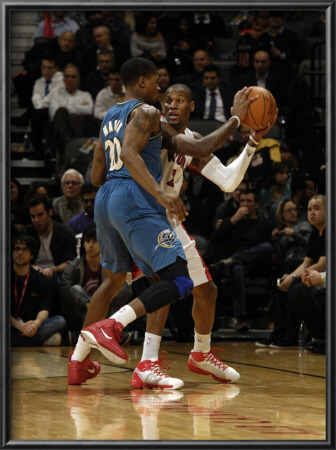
[203,147]
[229,177]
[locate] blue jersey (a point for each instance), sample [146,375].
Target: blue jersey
[112,131]
[130,222]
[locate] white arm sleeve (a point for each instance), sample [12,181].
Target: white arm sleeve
[228,177]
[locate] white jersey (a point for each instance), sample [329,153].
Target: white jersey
[173,165]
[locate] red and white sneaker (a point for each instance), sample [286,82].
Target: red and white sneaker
[148,374]
[209,364]
[105,336]
[79,372]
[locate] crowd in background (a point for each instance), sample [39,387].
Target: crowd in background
[272,226]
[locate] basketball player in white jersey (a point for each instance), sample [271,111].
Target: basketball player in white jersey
[202,360]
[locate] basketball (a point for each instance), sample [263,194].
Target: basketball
[260,112]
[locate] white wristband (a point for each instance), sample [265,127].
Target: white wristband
[236,117]
[254,141]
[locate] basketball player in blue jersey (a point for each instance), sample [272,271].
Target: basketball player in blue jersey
[130,212]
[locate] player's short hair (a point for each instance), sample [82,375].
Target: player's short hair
[182,86]
[136,67]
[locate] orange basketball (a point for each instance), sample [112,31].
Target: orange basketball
[260,112]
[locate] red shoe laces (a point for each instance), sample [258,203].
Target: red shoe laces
[213,357]
[161,363]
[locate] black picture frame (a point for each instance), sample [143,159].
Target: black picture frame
[8,6]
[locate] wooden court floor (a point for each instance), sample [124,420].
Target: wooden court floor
[281,396]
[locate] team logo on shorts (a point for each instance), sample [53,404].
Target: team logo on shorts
[166,239]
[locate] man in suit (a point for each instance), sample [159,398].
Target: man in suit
[215,99]
[262,74]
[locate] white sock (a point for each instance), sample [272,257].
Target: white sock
[202,342]
[81,350]
[125,315]
[151,347]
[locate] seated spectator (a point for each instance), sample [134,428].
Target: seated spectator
[51,79]
[303,188]
[182,45]
[16,199]
[286,319]
[277,188]
[56,242]
[32,323]
[242,247]
[209,25]
[290,236]
[85,218]
[164,81]
[53,24]
[194,79]
[70,112]
[69,204]
[63,50]
[22,216]
[289,157]
[284,45]
[122,32]
[262,74]
[109,96]
[229,206]
[80,280]
[97,79]
[214,100]
[146,40]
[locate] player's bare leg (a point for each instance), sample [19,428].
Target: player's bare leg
[202,359]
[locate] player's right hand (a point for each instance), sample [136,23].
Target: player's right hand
[173,204]
[241,102]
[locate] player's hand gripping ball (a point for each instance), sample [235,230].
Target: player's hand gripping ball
[260,112]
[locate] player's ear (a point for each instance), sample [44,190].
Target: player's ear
[192,106]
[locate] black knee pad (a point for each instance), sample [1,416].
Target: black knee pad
[174,285]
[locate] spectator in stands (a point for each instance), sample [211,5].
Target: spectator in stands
[56,242]
[164,81]
[289,157]
[194,79]
[262,74]
[109,96]
[80,280]
[290,236]
[115,20]
[32,323]
[286,321]
[182,45]
[229,206]
[303,188]
[277,188]
[51,79]
[214,100]
[16,199]
[69,204]
[53,24]
[284,45]
[97,80]
[70,110]
[63,50]
[36,187]
[242,247]
[146,40]
[209,25]
[85,218]
[102,39]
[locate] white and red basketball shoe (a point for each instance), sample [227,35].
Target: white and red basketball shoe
[148,374]
[79,372]
[209,364]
